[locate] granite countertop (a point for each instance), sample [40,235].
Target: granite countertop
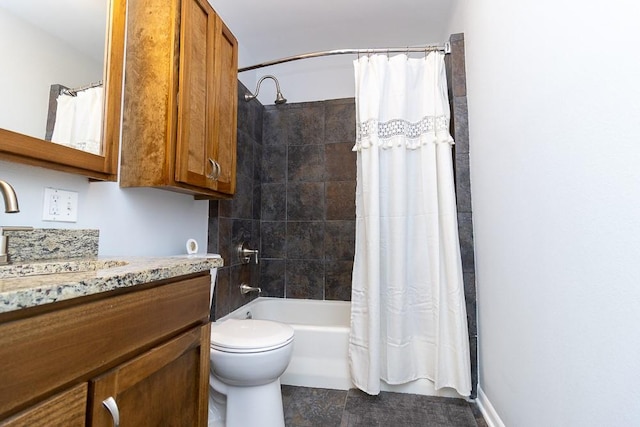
[111,273]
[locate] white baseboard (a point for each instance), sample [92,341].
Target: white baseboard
[488,412]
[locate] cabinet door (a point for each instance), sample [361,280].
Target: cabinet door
[194,164]
[66,409]
[167,386]
[207,102]
[226,107]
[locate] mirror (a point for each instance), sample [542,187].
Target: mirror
[51,46]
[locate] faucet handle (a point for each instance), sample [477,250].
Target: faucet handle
[4,257]
[244,253]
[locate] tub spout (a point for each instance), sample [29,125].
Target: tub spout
[244,289]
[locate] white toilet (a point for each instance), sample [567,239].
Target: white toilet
[247,359]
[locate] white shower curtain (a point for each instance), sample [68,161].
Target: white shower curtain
[408,317]
[79,120]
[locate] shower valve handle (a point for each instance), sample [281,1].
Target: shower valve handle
[245,254]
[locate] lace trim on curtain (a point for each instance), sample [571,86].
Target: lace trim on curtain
[428,129]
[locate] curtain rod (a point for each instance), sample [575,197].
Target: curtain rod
[445,49]
[74,91]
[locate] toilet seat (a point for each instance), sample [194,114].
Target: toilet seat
[250,335]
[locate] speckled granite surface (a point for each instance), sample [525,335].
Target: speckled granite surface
[51,243]
[56,266]
[30,291]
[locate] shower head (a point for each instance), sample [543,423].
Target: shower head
[280,99]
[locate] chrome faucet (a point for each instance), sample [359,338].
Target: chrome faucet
[10,206]
[10,199]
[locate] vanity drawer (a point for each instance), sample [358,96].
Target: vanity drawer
[46,353]
[64,409]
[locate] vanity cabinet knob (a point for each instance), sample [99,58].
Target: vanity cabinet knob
[112,407]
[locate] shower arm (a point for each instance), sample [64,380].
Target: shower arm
[279,98]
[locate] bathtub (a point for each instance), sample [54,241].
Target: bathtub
[321,344]
[321,338]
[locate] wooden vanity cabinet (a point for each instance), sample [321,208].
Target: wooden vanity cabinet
[180,99]
[146,349]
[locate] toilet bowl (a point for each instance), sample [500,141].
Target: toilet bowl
[247,359]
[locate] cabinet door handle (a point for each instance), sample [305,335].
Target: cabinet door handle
[112,407]
[215,170]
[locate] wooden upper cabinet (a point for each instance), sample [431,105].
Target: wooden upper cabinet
[180,107]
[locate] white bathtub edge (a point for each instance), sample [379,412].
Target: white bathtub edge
[301,379]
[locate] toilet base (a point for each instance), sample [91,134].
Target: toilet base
[256,406]
[217,408]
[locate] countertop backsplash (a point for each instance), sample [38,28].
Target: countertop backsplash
[42,244]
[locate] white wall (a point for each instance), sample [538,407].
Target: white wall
[554,99]
[132,221]
[137,221]
[248,78]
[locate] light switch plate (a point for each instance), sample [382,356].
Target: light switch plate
[60,205]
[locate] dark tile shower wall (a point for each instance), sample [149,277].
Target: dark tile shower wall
[234,221]
[308,200]
[457,82]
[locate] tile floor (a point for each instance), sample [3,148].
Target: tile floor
[316,407]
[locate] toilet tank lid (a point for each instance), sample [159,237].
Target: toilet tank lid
[250,333]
